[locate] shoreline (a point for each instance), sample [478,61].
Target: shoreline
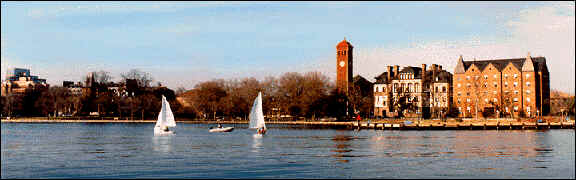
[392,124]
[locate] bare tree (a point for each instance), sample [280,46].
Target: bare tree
[142,78]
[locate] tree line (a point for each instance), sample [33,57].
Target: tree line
[131,98]
[293,95]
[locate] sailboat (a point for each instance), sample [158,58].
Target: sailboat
[257,116]
[165,119]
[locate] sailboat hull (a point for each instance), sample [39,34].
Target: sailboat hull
[159,131]
[225,129]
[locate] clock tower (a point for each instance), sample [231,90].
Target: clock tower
[343,66]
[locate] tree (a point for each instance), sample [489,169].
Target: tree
[207,97]
[143,79]
[54,100]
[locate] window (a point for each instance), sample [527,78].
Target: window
[495,76]
[468,85]
[494,92]
[505,84]
[506,76]
[515,108]
[495,84]
[458,100]
[515,92]
[494,100]
[515,100]
[443,88]
[515,84]
[527,99]
[459,85]
[467,93]
[459,94]
[485,84]
[436,89]
[376,89]
[485,76]
[468,100]
[527,91]
[515,76]
[486,100]
[467,77]
[528,84]
[527,76]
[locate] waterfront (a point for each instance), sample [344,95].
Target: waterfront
[129,150]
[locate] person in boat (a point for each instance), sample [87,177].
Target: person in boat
[261,130]
[219,125]
[166,129]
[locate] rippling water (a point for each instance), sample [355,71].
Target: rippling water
[129,150]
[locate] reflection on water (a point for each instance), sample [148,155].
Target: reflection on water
[341,147]
[256,142]
[129,150]
[162,143]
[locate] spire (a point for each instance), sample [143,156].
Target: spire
[460,66]
[528,63]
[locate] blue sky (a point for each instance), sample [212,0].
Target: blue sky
[183,43]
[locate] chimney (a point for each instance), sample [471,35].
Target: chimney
[434,70]
[396,70]
[389,69]
[423,71]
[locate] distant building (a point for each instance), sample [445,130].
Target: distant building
[74,88]
[19,80]
[416,91]
[502,87]
[362,96]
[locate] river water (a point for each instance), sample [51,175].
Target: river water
[130,150]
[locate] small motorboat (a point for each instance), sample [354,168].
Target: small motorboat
[222,129]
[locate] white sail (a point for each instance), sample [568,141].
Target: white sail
[165,117]
[170,122]
[256,114]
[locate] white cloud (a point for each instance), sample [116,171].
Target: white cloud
[547,31]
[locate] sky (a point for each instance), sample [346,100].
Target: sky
[183,43]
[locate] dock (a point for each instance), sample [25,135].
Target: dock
[489,125]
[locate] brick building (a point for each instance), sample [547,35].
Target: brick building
[412,92]
[344,66]
[502,87]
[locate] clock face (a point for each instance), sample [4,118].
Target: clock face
[342,64]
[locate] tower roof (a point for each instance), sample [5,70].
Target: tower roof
[344,43]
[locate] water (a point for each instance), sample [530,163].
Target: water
[129,150]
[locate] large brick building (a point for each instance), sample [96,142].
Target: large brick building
[415,91]
[502,87]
